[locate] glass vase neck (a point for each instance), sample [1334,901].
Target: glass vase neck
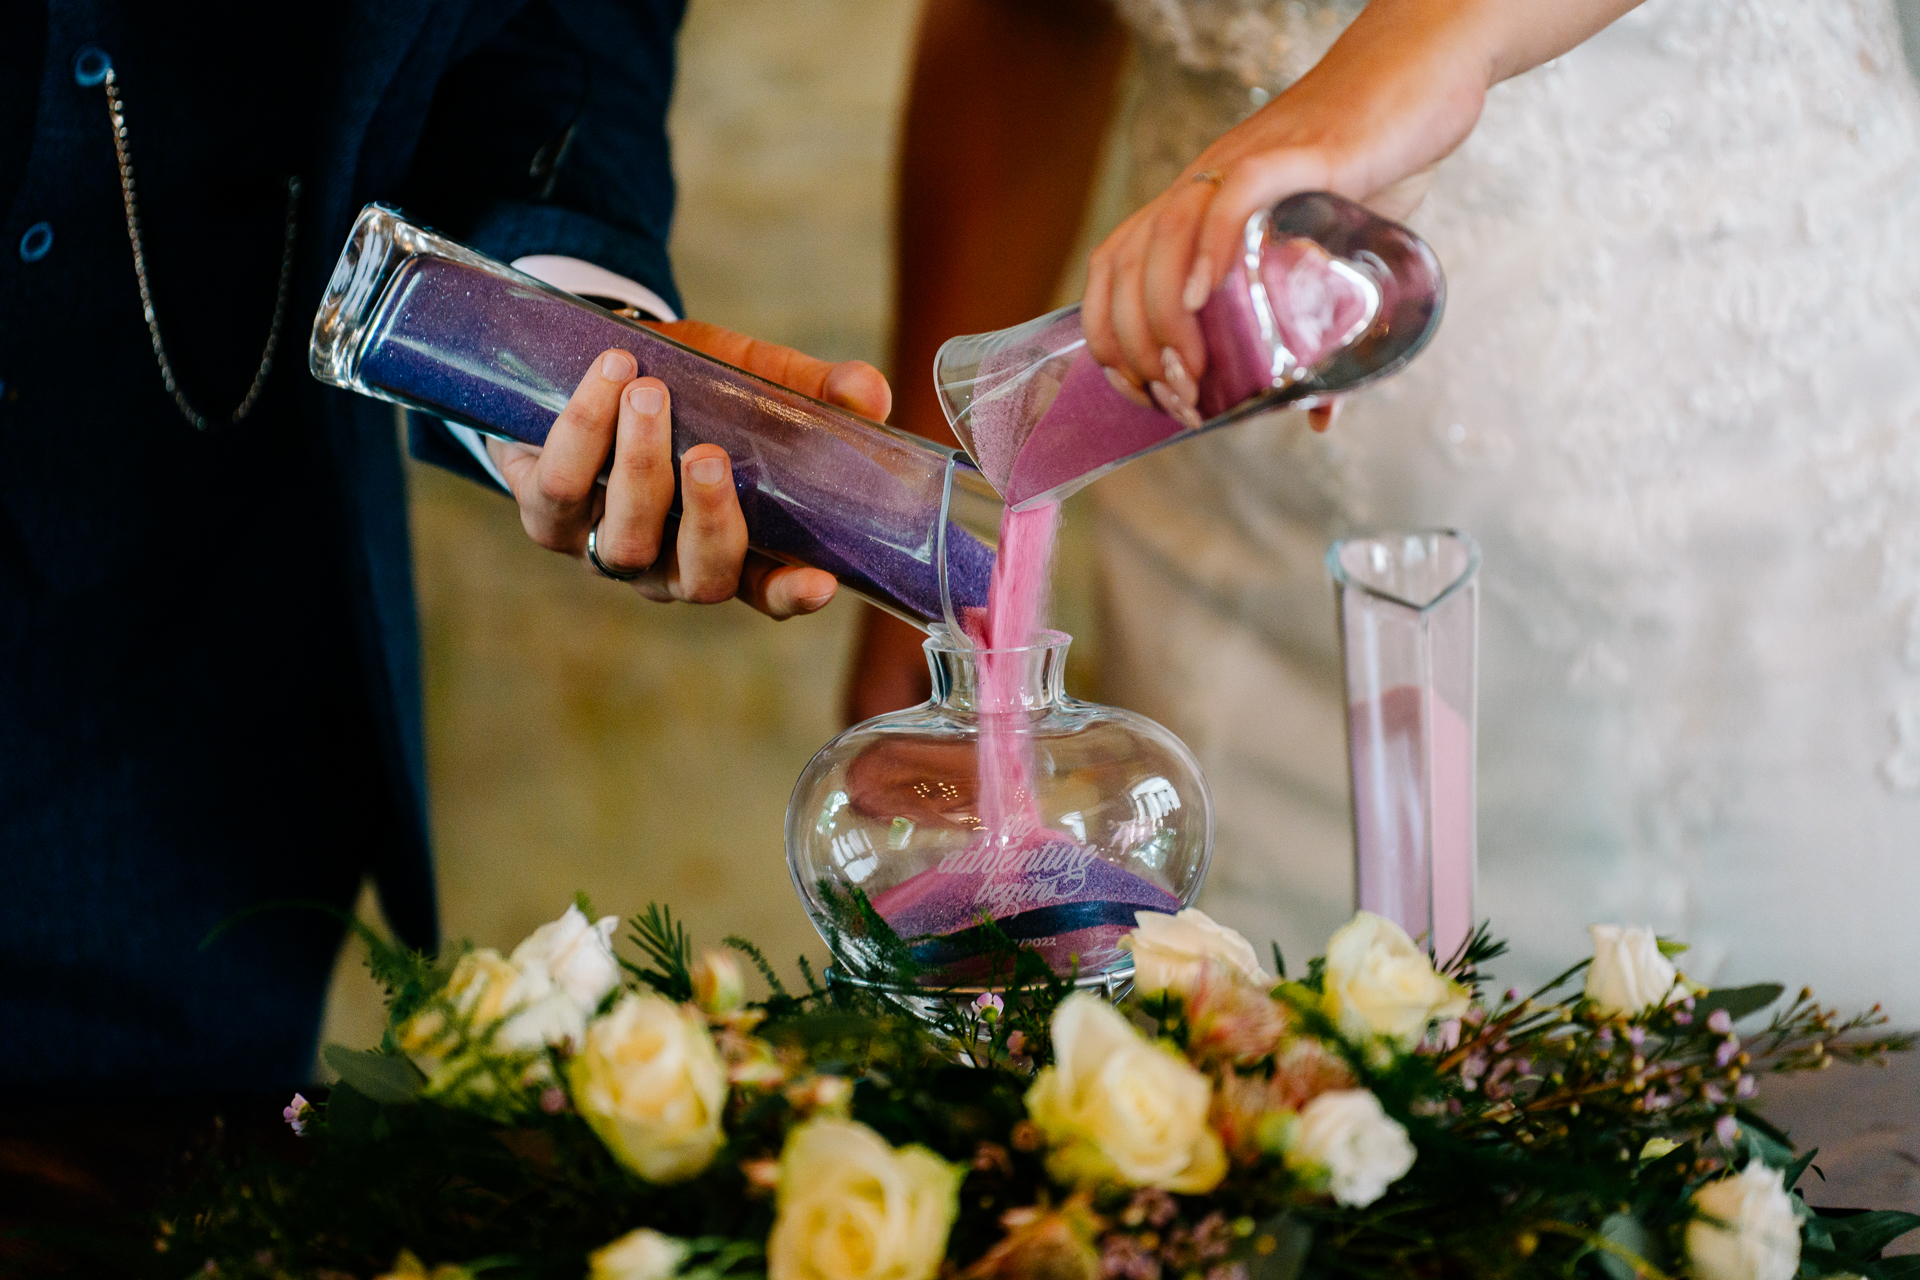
[1031,678]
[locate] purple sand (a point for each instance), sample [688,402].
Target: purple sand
[1031,875]
[817,485]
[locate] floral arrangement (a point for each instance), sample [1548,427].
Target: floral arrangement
[563,1111]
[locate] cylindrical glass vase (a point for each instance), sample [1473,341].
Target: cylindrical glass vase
[423,321]
[1325,298]
[902,845]
[1409,607]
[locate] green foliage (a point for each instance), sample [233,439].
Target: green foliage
[663,940]
[1553,1143]
[760,962]
[1478,950]
[385,1078]
[1738,1002]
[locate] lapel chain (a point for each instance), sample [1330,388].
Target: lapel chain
[117,109]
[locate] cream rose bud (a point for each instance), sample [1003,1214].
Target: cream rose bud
[1347,1136]
[850,1207]
[644,1254]
[1629,975]
[651,1083]
[719,986]
[1377,982]
[1744,1228]
[1170,953]
[1116,1108]
[575,955]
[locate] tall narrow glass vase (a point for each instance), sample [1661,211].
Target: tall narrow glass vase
[1409,608]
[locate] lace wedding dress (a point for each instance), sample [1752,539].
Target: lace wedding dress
[1677,400]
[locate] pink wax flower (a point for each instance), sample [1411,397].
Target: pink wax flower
[295,1113]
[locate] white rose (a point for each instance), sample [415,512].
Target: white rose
[494,1003]
[1628,974]
[1378,983]
[1744,1229]
[1171,952]
[576,956]
[1116,1108]
[638,1255]
[651,1083]
[1346,1135]
[850,1207]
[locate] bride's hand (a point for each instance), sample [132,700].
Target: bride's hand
[1400,89]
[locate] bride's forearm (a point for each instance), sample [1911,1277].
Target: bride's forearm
[1398,91]
[1527,33]
[1499,38]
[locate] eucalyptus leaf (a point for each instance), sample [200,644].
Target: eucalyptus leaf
[1292,1239]
[1628,1236]
[380,1077]
[1737,1001]
[1790,1176]
[353,1118]
[1864,1235]
[1767,1150]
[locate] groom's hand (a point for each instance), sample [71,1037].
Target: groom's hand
[705,558]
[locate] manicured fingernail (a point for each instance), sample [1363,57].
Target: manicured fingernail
[814,603]
[616,366]
[647,400]
[707,470]
[1199,285]
[1126,387]
[1172,405]
[1177,376]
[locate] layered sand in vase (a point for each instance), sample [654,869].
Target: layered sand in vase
[1041,885]
[1407,740]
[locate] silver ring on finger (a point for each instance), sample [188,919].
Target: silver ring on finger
[604,569]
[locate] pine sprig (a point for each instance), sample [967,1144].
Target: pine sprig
[752,952]
[663,940]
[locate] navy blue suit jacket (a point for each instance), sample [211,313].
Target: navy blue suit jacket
[209,678]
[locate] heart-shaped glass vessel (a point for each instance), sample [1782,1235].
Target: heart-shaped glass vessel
[1326,298]
[909,856]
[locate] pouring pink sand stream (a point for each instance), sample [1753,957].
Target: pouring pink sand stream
[1041,885]
[1043,423]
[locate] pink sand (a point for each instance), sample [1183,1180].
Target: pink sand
[1422,880]
[1016,864]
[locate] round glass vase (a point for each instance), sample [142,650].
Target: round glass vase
[919,868]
